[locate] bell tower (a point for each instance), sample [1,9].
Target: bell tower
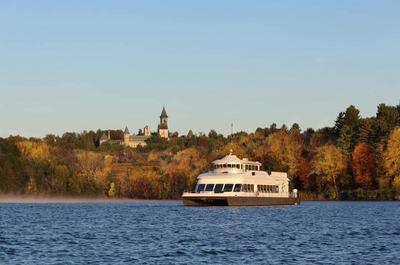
[163,126]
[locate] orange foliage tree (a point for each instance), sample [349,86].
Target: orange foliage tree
[304,172]
[363,163]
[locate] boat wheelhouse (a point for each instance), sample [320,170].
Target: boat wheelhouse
[238,182]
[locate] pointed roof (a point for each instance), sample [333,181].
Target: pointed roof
[164,113]
[104,137]
[126,131]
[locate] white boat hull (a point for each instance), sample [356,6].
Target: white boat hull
[238,201]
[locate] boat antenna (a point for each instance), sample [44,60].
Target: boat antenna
[231,151]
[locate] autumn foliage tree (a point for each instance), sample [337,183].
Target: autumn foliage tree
[392,158]
[284,150]
[363,163]
[328,164]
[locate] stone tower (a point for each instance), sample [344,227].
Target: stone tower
[163,126]
[147,131]
[126,136]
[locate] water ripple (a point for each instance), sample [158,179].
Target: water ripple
[168,233]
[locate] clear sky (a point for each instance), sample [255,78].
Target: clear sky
[82,65]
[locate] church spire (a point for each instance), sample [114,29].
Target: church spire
[164,113]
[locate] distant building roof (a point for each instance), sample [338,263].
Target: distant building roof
[104,137]
[126,131]
[164,113]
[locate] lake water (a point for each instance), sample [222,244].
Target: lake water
[155,232]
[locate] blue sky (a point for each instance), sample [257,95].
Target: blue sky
[84,65]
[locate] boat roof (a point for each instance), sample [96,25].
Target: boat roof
[233,159]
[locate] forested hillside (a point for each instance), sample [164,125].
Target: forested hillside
[357,158]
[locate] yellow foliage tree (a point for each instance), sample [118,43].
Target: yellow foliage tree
[285,149]
[91,170]
[392,155]
[34,150]
[328,163]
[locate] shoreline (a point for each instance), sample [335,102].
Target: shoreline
[38,199]
[4,199]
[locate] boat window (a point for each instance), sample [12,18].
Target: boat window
[200,188]
[218,188]
[237,187]
[224,165]
[209,187]
[248,187]
[228,187]
[238,166]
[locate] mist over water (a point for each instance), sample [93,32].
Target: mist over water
[165,232]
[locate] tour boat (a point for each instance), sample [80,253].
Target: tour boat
[240,182]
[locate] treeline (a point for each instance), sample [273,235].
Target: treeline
[358,158]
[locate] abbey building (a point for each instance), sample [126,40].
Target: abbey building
[134,141]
